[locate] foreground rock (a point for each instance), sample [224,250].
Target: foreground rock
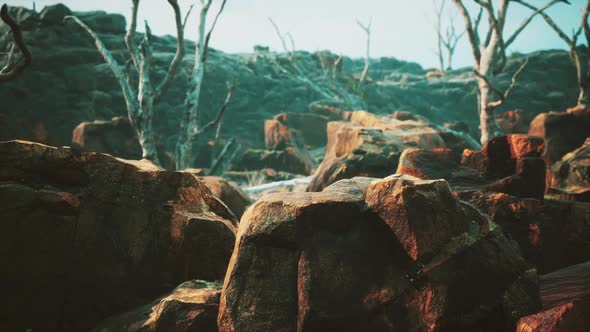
[563,132]
[229,193]
[552,234]
[398,254]
[570,177]
[369,145]
[566,302]
[86,235]
[192,307]
[509,164]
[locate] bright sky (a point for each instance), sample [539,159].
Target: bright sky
[401,28]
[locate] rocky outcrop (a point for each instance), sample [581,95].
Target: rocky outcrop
[566,302]
[563,132]
[191,307]
[513,122]
[370,145]
[570,177]
[115,137]
[229,193]
[509,164]
[69,83]
[86,235]
[374,255]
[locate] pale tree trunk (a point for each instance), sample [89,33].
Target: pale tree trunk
[487,120]
[190,125]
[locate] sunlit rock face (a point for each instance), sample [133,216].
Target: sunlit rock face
[570,177]
[397,254]
[190,307]
[371,145]
[85,235]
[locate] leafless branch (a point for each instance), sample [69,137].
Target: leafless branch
[367,29]
[113,64]
[208,37]
[19,40]
[221,112]
[502,95]
[188,14]
[130,35]
[177,60]
[523,25]
[470,31]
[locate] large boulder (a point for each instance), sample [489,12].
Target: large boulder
[563,132]
[87,235]
[398,254]
[191,307]
[229,193]
[508,164]
[570,177]
[552,234]
[115,137]
[310,126]
[566,302]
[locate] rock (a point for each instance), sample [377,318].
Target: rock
[507,164]
[570,177]
[291,160]
[370,145]
[54,14]
[115,137]
[512,164]
[398,254]
[229,193]
[312,127]
[86,236]
[102,22]
[562,132]
[566,302]
[552,234]
[192,306]
[513,122]
[278,136]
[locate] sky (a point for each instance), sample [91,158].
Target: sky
[400,28]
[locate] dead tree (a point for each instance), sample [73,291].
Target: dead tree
[582,67]
[490,55]
[190,130]
[367,29]
[447,41]
[14,67]
[140,103]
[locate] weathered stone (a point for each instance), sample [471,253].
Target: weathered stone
[398,254]
[513,122]
[229,193]
[562,132]
[191,307]
[291,159]
[115,137]
[570,177]
[86,235]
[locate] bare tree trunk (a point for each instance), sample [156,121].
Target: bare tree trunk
[367,29]
[487,120]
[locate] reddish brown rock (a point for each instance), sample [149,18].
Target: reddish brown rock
[278,136]
[310,127]
[507,164]
[562,132]
[191,307]
[86,235]
[115,137]
[398,254]
[570,177]
[552,234]
[229,193]
[566,302]
[513,122]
